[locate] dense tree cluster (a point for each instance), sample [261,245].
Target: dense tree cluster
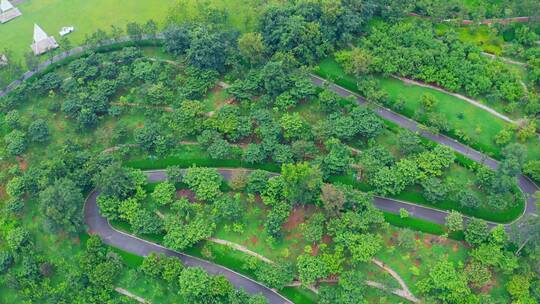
[413,49]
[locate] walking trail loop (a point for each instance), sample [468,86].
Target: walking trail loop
[241,248]
[404,292]
[507,60]
[465,98]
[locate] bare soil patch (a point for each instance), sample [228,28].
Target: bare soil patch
[186,193]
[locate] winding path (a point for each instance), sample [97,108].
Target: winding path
[99,225]
[528,187]
[459,96]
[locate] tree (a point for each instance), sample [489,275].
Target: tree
[17,238]
[134,30]
[338,158]
[276,217]
[15,142]
[182,234]
[477,274]
[519,288]
[356,62]
[532,168]
[39,131]
[277,275]
[118,182]
[15,188]
[363,247]
[251,47]
[445,283]
[454,221]
[333,200]
[207,50]
[253,154]
[428,102]
[151,265]
[116,32]
[328,100]
[13,119]
[257,181]
[313,229]
[205,182]
[293,126]
[150,28]
[310,268]
[468,199]
[6,260]
[61,204]
[409,143]
[525,233]
[228,208]
[174,174]
[403,213]
[150,138]
[476,232]
[434,189]
[302,183]
[196,286]
[406,239]
[177,39]
[164,193]
[188,119]
[347,291]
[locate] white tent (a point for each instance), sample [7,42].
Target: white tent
[8,11]
[5,6]
[42,42]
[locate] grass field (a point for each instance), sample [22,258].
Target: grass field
[479,126]
[52,15]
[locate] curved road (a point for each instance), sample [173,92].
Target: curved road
[525,184]
[99,225]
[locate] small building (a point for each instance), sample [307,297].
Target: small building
[8,11]
[42,42]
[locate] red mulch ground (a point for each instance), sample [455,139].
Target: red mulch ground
[298,216]
[190,195]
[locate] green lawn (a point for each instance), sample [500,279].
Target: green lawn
[484,36]
[52,15]
[478,126]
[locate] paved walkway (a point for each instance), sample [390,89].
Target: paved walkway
[242,249]
[130,295]
[462,97]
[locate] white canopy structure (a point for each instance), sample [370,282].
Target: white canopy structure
[8,11]
[42,42]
